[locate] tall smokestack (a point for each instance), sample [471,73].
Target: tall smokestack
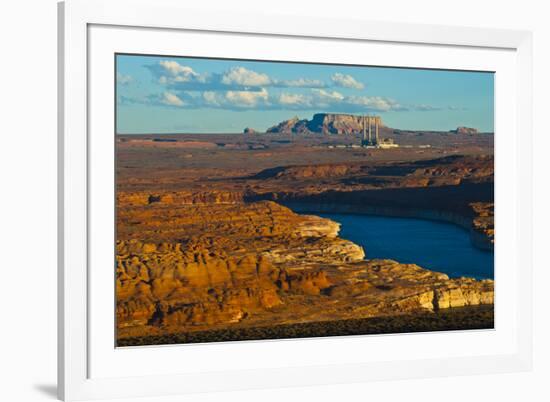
[364,130]
[370,132]
[376,121]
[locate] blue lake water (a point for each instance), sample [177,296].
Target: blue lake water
[437,246]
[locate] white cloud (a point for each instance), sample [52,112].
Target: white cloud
[425,108]
[338,102]
[346,81]
[328,96]
[177,70]
[244,89]
[180,77]
[293,99]
[315,99]
[245,77]
[246,98]
[301,83]
[123,79]
[234,99]
[262,99]
[171,99]
[375,103]
[211,98]
[456,108]
[171,72]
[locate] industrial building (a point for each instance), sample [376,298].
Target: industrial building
[372,140]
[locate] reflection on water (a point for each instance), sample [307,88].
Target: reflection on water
[437,246]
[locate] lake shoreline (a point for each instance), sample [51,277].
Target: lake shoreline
[478,240]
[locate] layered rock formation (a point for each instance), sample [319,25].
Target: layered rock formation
[134,198]
[465,130]
[330,123]
[483,225]
[321,123]
[195,267]
[291,126]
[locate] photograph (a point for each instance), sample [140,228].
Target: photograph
[277,199]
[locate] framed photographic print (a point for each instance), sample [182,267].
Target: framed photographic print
[249,202]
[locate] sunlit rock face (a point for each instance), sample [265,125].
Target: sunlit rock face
[193,267]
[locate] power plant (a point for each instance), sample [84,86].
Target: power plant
[369,121]
[369,128]
[370,141]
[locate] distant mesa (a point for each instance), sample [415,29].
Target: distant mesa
[328,123]
[321,123]
[465,130]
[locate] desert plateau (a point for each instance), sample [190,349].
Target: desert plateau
[220,237]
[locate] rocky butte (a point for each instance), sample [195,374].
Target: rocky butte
[321,123]
[249,131]
[465,130]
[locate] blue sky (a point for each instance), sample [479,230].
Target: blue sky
[191,95]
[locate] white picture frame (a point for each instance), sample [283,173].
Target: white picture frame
[77,330]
